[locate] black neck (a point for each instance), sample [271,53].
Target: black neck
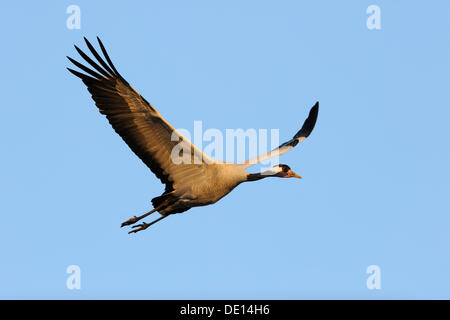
[256,176]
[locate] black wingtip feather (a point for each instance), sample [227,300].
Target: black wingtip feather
[80,75]
[85,69]
[92,62]
[105,54]
[309,123]
[98,57]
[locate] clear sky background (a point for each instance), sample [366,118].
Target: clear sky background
[375,187]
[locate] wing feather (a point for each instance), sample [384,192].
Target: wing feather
[139,124]
[301,135]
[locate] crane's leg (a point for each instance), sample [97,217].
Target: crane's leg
[144,225]
[136,219]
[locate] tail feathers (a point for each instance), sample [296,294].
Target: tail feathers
[167,204]
[159,201]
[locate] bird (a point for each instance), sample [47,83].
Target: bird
[199,182]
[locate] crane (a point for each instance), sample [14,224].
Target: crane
[200,182]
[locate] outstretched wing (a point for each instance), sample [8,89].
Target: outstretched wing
[301,135]
[138,123]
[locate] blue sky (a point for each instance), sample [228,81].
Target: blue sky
[375,170]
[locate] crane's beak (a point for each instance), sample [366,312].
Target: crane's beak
[292,174]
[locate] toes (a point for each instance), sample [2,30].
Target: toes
[129,221]
[139,227]
[136,230]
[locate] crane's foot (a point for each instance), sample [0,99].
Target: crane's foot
[129,221]
[143,225]
[136,219]
[140,227]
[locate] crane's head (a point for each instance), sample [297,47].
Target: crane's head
[282,171]
[286,172]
